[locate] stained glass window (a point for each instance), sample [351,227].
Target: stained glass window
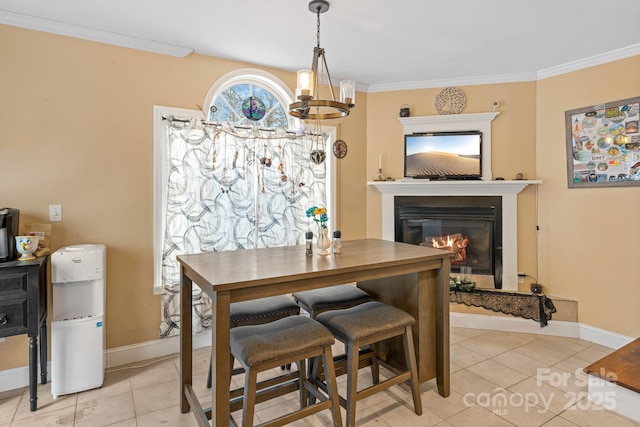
[228,106]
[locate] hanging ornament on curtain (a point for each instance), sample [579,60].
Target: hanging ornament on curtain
[283,175]
[214,156]
[225,181]
[264,161]
[318,154]
[253,108]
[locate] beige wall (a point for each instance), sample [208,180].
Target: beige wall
[77,131]
[588,236]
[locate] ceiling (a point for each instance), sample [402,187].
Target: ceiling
[383,45]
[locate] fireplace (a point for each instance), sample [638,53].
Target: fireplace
[469,226]
[506,190]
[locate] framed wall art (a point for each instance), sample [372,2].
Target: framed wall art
[603,145]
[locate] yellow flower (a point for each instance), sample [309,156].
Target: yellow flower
[320,211]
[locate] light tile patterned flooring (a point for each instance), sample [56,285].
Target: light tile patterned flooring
[498,379]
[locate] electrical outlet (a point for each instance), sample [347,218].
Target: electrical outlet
[55,213]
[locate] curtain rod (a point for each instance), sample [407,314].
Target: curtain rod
[219,125]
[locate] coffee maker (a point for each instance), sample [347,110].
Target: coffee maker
[9,218]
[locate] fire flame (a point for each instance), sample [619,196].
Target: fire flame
[454,243]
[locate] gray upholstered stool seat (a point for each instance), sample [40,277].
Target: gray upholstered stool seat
[259,311]
[318,301]
[370,323]
[263,310]
[291,339]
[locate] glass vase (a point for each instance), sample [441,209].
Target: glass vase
[323,242]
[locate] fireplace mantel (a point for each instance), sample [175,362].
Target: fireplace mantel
[420,187]
[508,190]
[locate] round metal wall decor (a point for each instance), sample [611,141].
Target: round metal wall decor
[339,149]
[450,100]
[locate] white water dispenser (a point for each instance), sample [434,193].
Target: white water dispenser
[78,276]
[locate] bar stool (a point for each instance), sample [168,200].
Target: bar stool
[371,323]
[259,311]
[320,300]
[291,339]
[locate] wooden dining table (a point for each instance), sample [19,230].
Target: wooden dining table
[413,278]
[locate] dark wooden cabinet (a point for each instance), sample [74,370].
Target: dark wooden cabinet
[23,310]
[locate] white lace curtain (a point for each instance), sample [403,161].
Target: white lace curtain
[231,189]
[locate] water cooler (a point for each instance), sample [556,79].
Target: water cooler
[78,276]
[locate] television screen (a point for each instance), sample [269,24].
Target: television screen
[443,155]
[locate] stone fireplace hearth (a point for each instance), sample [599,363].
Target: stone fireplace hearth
[506,190]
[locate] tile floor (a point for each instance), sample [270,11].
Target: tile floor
[497,379]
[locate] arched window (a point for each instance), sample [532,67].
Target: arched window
[254,93]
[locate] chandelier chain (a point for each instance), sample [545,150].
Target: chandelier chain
[318,30]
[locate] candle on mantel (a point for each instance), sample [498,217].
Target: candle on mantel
[380,161]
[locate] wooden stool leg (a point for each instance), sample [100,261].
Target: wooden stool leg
[410,360]
[332,386]
[314,375]
[209,376]
[302,374]
[249,403]
[375,367]
[352,382]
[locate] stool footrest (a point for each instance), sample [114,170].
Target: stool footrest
[265,392]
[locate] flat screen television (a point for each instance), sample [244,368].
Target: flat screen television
[443,155]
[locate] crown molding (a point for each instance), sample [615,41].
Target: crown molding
[459,81]
[86,33]
[592,61]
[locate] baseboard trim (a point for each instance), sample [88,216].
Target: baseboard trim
[555,328]
[603,337]
[514,324]
[11,379]
[151,349]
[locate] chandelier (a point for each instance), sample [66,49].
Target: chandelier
[309,105]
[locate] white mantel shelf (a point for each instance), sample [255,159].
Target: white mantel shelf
[420,187]
[508,190]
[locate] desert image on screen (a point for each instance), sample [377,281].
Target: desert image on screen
[443,156]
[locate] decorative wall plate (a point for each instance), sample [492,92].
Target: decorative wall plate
[339,149]
[450,100]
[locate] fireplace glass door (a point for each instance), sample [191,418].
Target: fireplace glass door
[470,227]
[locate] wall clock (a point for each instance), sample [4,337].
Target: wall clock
[450,100]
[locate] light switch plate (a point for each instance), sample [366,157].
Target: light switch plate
[55,213]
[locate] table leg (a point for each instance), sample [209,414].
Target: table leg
[43,351]
[443,367]
[186,339]
[33,373]
[221,359]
